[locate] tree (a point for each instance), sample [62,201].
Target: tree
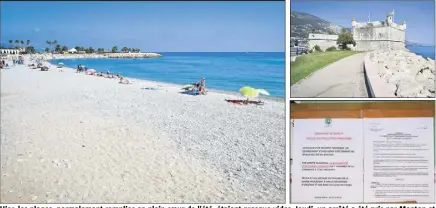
[344,39]
[313,30]
[125,49]
[344,30]
[22,43]
[58,48]
[10,43]
[47,50]
[90,50]
[115,49]
[100,50]
[28,42]
[64,49]
[48,43]
[16,43]
[30,50]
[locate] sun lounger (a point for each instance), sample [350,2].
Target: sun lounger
[245,102]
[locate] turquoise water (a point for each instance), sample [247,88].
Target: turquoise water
[223,71]
[425,51]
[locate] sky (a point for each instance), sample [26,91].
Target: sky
[419,15]
[150,26]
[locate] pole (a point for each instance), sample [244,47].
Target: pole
[393,16]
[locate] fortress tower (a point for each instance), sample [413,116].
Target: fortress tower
[379,35]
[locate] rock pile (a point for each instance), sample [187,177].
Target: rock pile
[412,75]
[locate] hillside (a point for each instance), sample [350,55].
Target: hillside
[303,23]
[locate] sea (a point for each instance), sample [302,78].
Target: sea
[222,71]
[425,51]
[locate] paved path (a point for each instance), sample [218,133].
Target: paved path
[344,78]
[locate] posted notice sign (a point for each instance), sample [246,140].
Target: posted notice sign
[365,160]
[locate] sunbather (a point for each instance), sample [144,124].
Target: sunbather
[203,86]
[124,81]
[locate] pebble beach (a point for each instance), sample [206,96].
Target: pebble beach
[68,137]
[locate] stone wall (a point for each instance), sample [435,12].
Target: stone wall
[378,38]
[323,44]
[322,40]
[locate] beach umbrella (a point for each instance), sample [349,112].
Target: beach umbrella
[249,91]
[263,92]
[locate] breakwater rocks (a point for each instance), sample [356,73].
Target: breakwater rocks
[134,55]
[408,74]
[48,56]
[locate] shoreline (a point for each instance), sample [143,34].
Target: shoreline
[230,93]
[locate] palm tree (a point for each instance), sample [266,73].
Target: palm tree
[125,49]
[28,42]
[16,43]
[55,42]
[10,43]
[49,43]
[22,43]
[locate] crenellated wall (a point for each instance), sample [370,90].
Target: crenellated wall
[378,35]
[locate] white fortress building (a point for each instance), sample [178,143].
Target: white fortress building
[378,35]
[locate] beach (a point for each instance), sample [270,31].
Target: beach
[73,138]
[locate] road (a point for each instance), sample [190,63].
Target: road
[344,78]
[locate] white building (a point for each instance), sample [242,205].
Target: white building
[11,51]
[73,50]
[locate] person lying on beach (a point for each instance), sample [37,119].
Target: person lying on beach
[124,81]
[90,72]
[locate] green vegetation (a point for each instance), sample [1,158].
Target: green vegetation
[331,49]
[115,49]
[344,39]
[307,64]
[317,48]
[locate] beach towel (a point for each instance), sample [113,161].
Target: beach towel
[243,102]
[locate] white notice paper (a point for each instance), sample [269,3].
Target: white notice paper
[327,161]
[399,160]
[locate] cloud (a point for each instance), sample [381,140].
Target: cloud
[36,29]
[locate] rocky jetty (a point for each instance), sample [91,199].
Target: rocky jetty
[133,55]
[412,75]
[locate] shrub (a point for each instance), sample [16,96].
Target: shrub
[317,48]
[311,51]
[331,49]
